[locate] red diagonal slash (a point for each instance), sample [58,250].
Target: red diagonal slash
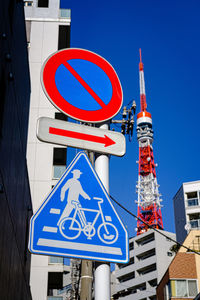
[84,84]
[82,136]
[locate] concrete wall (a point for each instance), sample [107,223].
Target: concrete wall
[180,215]
[185,265]
[182,211]
[15,200]
[161,286]
[142,245]
[163,246]
[182,267]
[43,31]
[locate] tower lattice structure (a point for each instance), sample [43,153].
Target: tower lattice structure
[149,207]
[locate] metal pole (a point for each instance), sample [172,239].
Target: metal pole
[86,266]
[102,269]
[86,280]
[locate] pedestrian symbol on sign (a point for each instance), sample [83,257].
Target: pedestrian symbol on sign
[75,189]
[78,220]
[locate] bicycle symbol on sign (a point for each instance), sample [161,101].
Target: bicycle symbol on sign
[71,227]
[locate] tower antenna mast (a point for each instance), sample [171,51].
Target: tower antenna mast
[149,208]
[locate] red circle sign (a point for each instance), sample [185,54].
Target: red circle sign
[82,85]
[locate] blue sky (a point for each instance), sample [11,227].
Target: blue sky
[168,32]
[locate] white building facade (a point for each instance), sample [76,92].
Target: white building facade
[150,256]
[187,209]
[48,30]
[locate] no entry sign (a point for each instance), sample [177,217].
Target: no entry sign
[82,85]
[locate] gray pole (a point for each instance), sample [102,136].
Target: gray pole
[86,280]
[102,270]
[86,266]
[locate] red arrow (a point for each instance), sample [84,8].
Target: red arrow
[82,136]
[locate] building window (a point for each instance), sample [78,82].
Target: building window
[192,202]
[59,162]
[153,282]
[147,239]
[126,277]
[184,288]
[192,288]
[192,199]
[28,33]
[146,254]
[55,282]
[181,288]
[65,13]
[147,269]
[28,3]
[43,3]
[191,195]
[63,37]
[56,260]
[60,116]
[138,288]
[194,220]
[131,246]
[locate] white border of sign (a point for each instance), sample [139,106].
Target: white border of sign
[60,108]
[30,246]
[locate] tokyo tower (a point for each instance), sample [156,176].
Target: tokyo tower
[149,208]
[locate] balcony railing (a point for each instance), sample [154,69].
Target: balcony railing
[65,13]
[58,171]
[195,223]
[192,202]
[56,260]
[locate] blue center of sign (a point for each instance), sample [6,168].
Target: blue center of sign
[75,93]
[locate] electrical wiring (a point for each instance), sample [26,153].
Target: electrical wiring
[151,227]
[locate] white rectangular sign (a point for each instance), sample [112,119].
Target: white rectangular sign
[81,136]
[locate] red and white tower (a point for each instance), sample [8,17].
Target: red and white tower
[149,208]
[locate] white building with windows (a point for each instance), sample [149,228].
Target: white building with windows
[187,209]
[150,256]
[48,30]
